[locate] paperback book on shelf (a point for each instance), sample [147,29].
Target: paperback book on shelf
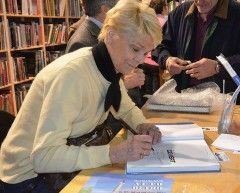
[182,149]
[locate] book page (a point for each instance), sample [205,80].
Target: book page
[180,131]
[176,156]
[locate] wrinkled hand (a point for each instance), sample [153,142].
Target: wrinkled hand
[132,149]
[150,129]
[175,65]
[202,69]
[134,79]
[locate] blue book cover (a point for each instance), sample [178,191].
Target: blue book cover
[121,183]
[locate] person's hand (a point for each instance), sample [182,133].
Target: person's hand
[175,65]
[132,149]
[234,127]
[202,69]
[149,129]
[134,79]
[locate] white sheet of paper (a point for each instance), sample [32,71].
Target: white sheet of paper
[180,131]
[227,142]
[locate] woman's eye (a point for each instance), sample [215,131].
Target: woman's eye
[135,49]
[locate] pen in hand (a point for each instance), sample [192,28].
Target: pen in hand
[130,129]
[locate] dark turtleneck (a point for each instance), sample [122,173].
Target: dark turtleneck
[105,66]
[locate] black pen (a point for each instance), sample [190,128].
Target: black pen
[130,129]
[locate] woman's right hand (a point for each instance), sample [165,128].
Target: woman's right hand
[136,78]
[132,149]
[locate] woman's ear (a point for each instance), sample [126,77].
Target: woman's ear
[111,36]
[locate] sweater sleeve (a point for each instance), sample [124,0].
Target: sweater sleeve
[62,104]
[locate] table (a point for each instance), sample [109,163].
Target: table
[226,181]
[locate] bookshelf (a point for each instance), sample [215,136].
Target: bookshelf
[33,33]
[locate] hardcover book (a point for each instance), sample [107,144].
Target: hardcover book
[182,149]
[178,108]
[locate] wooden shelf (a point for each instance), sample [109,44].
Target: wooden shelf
[24,81]
[27,48]
[54,45]
[22,16]
[53,17]
[73,17]
[2,51]
[5,86]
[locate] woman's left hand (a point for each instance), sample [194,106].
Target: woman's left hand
[150,129]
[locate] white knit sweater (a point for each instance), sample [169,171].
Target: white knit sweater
[66,99]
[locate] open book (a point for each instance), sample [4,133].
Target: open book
[182,149]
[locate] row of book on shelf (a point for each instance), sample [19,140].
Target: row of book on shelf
[28,65]
[75,8]
[55,33]
[4,73]
[25,7]
[54,7]
[20,93]
[2,37]
[58,8]
[51,7]
[24,35]
[25,67]
[6,101]
[6,97]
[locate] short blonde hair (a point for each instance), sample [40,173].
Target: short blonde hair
[133,18]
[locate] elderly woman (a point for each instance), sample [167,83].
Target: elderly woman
[73,95]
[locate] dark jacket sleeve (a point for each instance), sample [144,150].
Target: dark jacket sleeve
[168,45]
[233,56]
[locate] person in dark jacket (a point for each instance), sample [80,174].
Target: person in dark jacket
[195,33]
[88,30]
